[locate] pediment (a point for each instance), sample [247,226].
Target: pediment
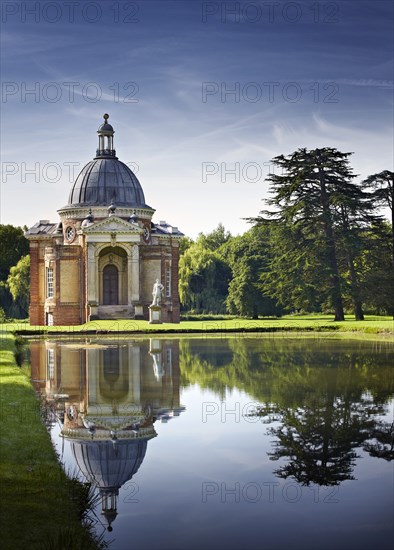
[112,224]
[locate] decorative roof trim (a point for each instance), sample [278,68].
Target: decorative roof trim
[102,227]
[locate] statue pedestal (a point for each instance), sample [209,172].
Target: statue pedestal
[155,315]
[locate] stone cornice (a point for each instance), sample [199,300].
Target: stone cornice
[81,212]
[41,237]
[103,434]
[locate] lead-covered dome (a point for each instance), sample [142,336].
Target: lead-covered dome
[106,179]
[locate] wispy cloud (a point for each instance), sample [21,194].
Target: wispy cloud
[366,82]
[170,130]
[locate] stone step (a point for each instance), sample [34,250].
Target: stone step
[116,312]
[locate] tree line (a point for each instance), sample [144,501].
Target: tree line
[321,245]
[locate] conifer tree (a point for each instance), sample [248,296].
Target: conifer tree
[315,195]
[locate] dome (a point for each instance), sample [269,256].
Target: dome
[107,465]
[105,128]
[106,180]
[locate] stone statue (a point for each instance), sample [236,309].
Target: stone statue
[157,293]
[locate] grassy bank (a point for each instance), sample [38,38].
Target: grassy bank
[40,507]
[383,325]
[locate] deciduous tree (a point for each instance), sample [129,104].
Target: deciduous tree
[19,283]
[248,257]
[13,245]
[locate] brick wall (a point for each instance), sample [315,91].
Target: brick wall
[67,315]
[36,310]
[69,308]
[68,294]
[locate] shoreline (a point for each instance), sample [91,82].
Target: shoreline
[34,484]
[376,326]
[279,334]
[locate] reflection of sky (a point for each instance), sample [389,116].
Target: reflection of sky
[63,449]
[187,453]
[338,60]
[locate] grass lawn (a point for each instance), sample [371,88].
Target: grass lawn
[40,506]
[383,325]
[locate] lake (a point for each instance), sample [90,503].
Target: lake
[245,442]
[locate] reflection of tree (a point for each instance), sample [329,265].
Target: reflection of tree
[327,397]
[319,439]
[262,367]
[265,367]
[382,444]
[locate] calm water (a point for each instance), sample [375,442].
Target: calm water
[240,443]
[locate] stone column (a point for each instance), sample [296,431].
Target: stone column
[92,268]
[92,282]
[134,274]
[93,367]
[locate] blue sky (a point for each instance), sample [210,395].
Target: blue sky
[201,95]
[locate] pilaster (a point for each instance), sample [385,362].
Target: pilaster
[134,274]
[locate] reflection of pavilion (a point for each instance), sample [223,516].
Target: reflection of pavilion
[107,396]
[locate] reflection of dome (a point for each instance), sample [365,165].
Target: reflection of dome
[103,180]
[106,464]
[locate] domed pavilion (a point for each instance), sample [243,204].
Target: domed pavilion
[102,259]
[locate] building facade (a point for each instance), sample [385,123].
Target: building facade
[104,256]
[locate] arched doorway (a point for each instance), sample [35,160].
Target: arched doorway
[113,276]
[110,285]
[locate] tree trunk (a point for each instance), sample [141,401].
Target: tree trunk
[357,303]
[336,294]
[355,287]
